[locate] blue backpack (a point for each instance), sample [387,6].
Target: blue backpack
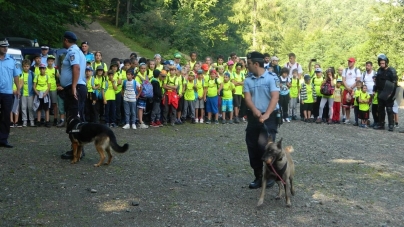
[147,89]
[134,86]
[97,92]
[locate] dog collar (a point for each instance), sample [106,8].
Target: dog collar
[77,128]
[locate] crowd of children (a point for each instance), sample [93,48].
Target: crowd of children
[136,91]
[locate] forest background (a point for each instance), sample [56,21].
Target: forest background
[330,31]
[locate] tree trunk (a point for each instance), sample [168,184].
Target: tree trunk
[128,11]
[117,13]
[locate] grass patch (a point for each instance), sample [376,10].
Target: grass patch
[129,42]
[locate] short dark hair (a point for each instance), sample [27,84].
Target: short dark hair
[239,64]
[193,52]
[369,62]
[232,54]
[292,55]
[266,55]
[142,60]
[133,54]
[133,60]
[220,56]
[126,61]
[284,70]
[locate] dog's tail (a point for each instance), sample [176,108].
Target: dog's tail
[289,149]
[115,145]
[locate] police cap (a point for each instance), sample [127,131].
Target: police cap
[4,43]
[255,55]
[70,35]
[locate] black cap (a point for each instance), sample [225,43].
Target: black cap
[70,35]
[255,55]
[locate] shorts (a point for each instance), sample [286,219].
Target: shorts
[364,115]
[61,105]
[212,105]
[42,105]
[141,104]
[237,100]
[53,96]
[180,104]
[199,104]
[307,106]
[227,105]
[395,107]
[344,102]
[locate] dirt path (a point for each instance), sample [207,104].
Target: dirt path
[100,40]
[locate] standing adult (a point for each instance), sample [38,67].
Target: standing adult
[349,77]
[9,72]
[73,80]
[267,60]
[275,65]
[367,77]
[261,91]
[292,64]
[386,84]
[89,56]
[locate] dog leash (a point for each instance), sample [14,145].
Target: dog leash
[273,169]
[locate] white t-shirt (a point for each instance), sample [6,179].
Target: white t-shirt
[351,75]
[368,80]
[292,67]
[130,94]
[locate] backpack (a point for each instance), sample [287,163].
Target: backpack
[364,75]
[103,64]
[97,93]
[196,92]
[147,88]
[134,85]
[327,88]
[346,70]
[290,67]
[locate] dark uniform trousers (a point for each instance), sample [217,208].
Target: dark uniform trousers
[383,106]
[257,138]
[6,102]
[74,106]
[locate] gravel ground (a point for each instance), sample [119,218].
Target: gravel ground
[198,175]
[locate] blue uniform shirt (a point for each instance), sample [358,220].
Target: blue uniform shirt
[90,57]
[74,56]
[260,89]
[8,70]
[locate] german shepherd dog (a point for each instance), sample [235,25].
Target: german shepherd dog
[278,166]
[104,139]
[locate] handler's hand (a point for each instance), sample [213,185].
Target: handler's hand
[264,117]
[257,113]
[74,92]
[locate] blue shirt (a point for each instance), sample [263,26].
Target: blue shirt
[260,89]
[8,70]
[90,57]
[74,56]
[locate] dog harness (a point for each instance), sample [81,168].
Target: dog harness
[77,128]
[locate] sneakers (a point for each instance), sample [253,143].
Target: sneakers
[197,120]
[319,121]
[343,120]
[61,123]
[288,120]
[236,120]
[201,120]
[143,126]
[55,122]
[193,121]
[48,124]
[224,122]
[208,121]
[216,122]
[158,123]
[126,126]
[112,125]
[154,125]
[133,126]
[32,124]
[396,125]
[230,121]
[12,125]
[24,124]
[356,124]
[346,122]
[178,122]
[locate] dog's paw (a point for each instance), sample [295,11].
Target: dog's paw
[278,197]
[289,205]
[292,192]
[73,162]
[96,165]
[260,202]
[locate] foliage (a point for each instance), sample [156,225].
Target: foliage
[328,30]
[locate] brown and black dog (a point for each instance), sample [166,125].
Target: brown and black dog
[282,166]
[104,139]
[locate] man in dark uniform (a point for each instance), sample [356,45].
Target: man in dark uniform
[9,73]
[261,91]
[73,80]
[385,86]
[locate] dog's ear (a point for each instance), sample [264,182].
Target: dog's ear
[279,144]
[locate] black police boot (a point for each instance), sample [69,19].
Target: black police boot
[256,183]
[258,180]
[390,118]
[379,126]
[69,154]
